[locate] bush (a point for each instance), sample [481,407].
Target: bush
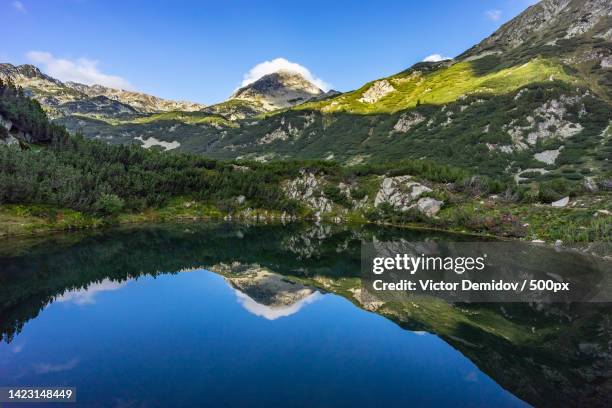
[109,204]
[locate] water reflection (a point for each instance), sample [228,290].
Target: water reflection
[264,293]
[546,354]
[273,312]
[87,295]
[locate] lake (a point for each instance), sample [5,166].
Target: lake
[227,315]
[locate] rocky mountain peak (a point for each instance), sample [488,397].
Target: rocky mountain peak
[279,89]
[19,73]
[65,98]
[548,23]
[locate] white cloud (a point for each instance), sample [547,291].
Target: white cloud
[493,15]
[81,70]
[20,7]
[87,295]
[281,64]
[435,58]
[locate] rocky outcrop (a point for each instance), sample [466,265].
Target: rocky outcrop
[308,190]
[6,138]
[149,142]
[547,22]
[376,91]
[429,206]
[547,156]
[138,101]
[550,120]
[276,134]
[11,135]
[407,121]
[403,193]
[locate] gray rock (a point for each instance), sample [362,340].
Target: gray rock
[429,206]
[399,192]
[9,141]
[307,189]
[590,185]
[5,123]
[408,121]
[376,91]
[561,203]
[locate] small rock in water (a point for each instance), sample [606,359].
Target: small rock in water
[558,243]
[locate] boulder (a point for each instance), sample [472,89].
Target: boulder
[429,206]
[399,192]
[561,203]
[590,185]
[5,123]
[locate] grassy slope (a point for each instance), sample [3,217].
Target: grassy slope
[443,86]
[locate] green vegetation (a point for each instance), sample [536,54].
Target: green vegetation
[444,85]
[69,182]
[26,114]
[184,117]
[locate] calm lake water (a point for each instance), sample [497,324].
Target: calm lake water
[265,316]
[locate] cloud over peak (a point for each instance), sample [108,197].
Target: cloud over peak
[82,70]
[281,64]
[435,58]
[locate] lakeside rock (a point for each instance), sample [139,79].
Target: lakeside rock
[402,193]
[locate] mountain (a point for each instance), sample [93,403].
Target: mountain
[531,102]
[278,90]
[68,98]
[578,33]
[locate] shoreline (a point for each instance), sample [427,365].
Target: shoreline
[152,217]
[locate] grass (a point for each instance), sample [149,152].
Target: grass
[36,219]
[443,86]
[192,118]
[572,225]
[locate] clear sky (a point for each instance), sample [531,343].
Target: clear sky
[202,50]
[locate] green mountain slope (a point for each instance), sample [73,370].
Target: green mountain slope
[531,102]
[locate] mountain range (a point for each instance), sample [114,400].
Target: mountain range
[532,101]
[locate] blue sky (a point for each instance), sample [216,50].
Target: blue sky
[202,50]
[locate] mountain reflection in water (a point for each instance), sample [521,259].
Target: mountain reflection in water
[545,354]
